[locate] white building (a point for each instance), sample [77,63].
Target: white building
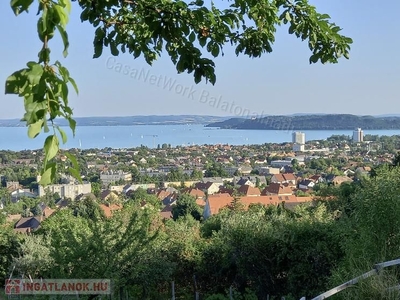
[358,135]
[109,177]
[299,137]
[298,147]
[66,190]
[298,140]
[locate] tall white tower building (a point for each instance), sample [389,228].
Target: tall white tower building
[299,140]
[358,135]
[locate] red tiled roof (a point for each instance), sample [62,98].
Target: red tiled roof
[218,201]
[196,193]
[109,209]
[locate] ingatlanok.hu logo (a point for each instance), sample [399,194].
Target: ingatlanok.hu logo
[57,286]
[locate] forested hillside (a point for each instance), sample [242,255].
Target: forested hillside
[311,122]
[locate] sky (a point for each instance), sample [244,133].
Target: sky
[282,82]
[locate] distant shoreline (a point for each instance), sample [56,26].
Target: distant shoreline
[273,122]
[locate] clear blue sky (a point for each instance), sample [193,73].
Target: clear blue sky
[282,82]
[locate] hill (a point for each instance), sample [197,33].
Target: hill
[129,121]
[311,122]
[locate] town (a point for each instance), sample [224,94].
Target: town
[212,176]
[203,221]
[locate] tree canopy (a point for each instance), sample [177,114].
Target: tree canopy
[191,33]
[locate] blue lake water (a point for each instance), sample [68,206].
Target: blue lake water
[16,138]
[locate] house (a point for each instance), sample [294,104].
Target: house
[166,212]
[108,196]
[46,210]
[248,190]
[317,178]
[214,203]
[338,180]
[275,188]
[245,181]
[109,209]
[166,197]
[198,194]
[18,193]
[245,170]
[62,203]
[306,184]
[258,179]
[225,190]
[208,187]
[288,178]
[27,225]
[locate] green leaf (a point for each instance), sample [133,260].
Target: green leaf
[202,41]
[192,37]
[75,173]
[63,135]
[74,85]
[73,160]
[314,58]
[16,82]
[98,49]
[215,50]
[60,11]
[113,48]
[35,128]
[67,5]
[19,6]
[72,125]
[64,37]
[35,73]
[48,174]
[43,19]
[45,127]
[51,147]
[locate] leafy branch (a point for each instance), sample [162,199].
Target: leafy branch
[44,86]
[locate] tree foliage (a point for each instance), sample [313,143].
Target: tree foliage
[189,32]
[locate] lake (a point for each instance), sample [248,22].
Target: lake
[16,138]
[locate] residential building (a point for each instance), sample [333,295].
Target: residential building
[299,140]
[358,135]
[248,190]
[275,188]
[287,178]
[66,190]
[299,147]
[216,202]
[280,163]
[111,176]
[299,137]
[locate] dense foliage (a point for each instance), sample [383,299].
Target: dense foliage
[256,252]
